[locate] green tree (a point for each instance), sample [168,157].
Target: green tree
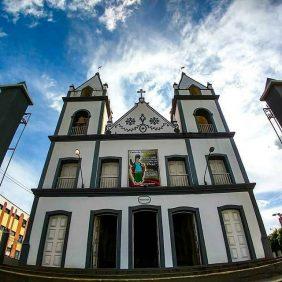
[275,239]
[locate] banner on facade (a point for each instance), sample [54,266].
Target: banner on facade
[143,168]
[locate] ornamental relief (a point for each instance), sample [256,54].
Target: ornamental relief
[153,123]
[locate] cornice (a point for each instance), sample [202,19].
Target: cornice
[195,97]
[126,191]
[83,99]
[93,137]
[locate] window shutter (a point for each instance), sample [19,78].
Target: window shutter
[177,173]
[109,175]
[69,170]
[217,166]
[176,167]
[110,169]
[201,120]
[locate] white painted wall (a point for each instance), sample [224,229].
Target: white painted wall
[81,206]
[200,148]
[104,119]
[187,92]
[66,150]
[94,107]
[120,148]
[189,106]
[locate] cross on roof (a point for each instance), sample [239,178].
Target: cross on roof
[141,91]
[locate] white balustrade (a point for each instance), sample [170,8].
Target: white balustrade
[222,178]
[179,180]
[65,182]
[109,182]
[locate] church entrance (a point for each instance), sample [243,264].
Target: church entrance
[186,239]
[104,248]
[145,239]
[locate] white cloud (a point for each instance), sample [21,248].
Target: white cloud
[262,203]
[33,8]
[2,33]
[48,86]
[119,12]
[235,49]
[114,12]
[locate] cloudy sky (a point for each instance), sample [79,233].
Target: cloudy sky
[235,45]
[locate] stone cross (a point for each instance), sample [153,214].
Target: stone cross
[141,91]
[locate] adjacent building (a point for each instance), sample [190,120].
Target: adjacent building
[143,191]
[272,95]
[15,220]
[14,100]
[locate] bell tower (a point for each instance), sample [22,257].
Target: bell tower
[85,112]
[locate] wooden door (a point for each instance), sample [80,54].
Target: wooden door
[54,243]
[236,237]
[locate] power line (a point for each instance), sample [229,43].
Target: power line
[16,181]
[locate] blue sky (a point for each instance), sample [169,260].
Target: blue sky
[235,45]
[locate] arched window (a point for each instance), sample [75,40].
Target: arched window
[87,91]
[204,121]
[79,124]
[194,90]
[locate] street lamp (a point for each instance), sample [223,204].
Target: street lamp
[77,153]
[279,217]
[211,149]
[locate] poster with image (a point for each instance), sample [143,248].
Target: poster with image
[143,168]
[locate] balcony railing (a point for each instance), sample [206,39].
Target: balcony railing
[206,128]
[179,180]
[109,182]
[66,182]
[78,130]
[222,178]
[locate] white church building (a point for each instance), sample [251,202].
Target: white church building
[143,192]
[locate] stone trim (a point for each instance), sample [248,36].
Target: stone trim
[128,191]
[142,136]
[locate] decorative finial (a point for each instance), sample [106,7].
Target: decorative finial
[209,85]
[99,68]
[141,91]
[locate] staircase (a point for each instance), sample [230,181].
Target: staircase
[260,270]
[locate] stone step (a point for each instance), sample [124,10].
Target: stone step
[246,271]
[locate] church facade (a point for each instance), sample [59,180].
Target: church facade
[144,191]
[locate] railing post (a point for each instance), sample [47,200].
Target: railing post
[3,244]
